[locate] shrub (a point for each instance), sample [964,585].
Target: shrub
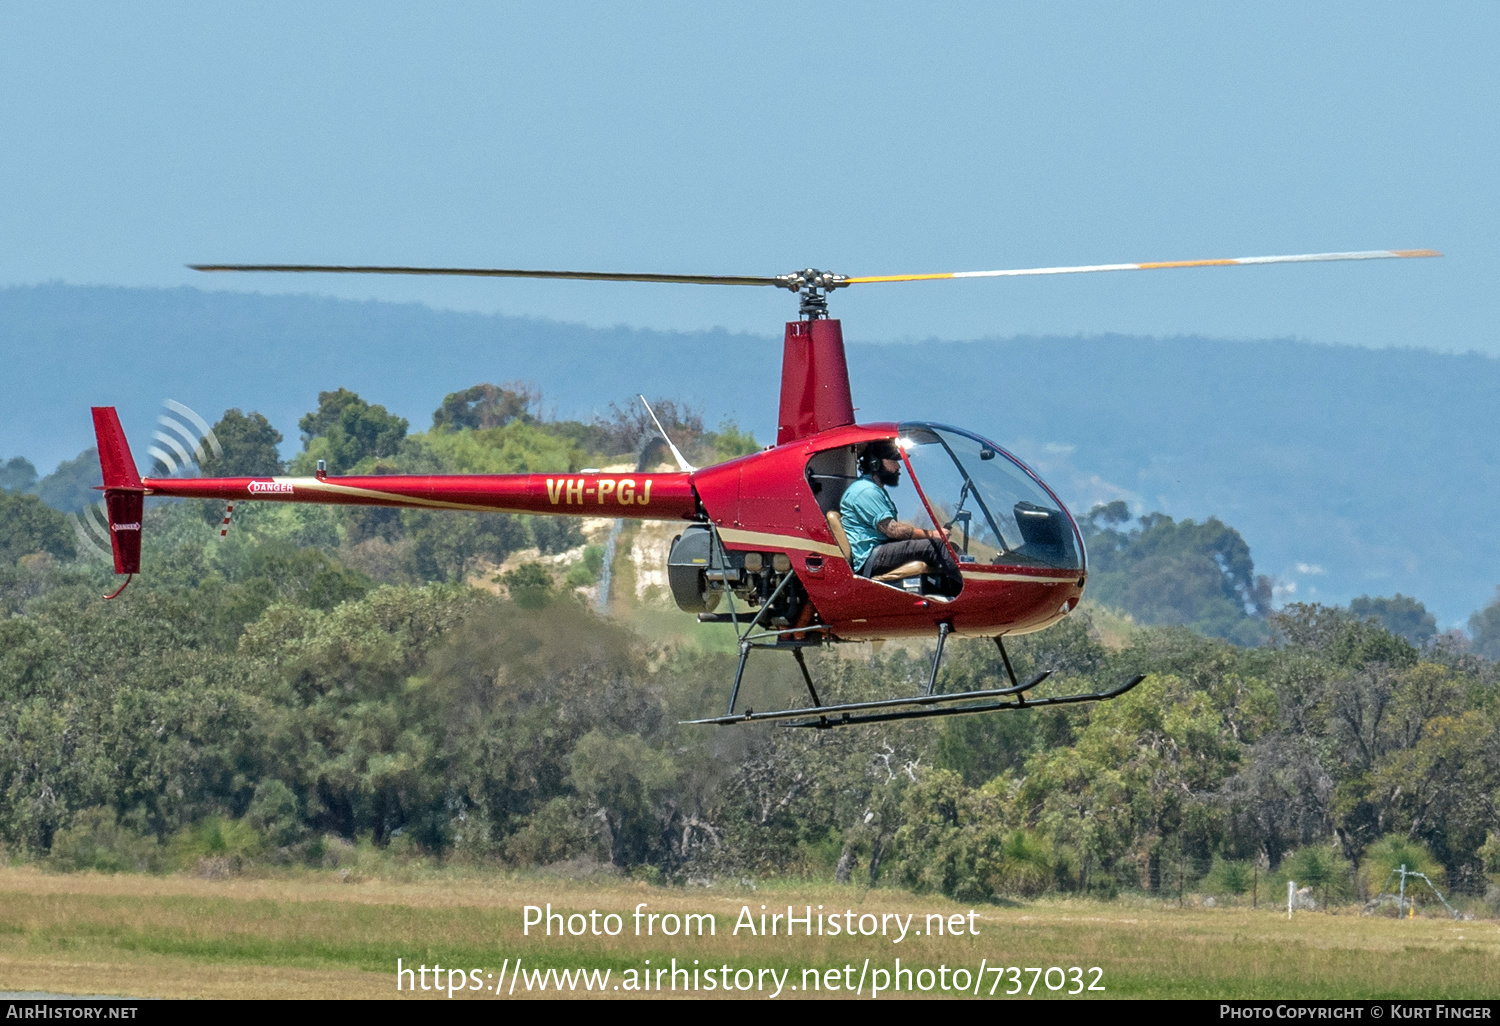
[1489,856]
[216,839]
[1228,877]
[1323,868]
[587,572]
[273,812]
[555,832]
[1028,863]
[97,840]
[1387,855]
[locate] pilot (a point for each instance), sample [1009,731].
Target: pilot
[878,542]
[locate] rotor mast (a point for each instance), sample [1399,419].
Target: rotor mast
[812,287]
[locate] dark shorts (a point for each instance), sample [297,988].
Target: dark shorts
[890,555]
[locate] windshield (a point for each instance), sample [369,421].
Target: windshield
[992,508]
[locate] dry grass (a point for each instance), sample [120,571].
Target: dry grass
[313,935]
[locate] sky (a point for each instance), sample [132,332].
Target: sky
[762,138]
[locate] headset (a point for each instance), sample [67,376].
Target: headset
[875,452]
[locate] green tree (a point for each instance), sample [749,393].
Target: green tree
[1484,628]
[345,429]
[729,442]
[1401,615]
[17,475]
[484,406]
[27,527]
[626,780]
[274,811]
[1164,571]
[952,839]
[308,577]
[447,546]
[249,447]
[70,488]
[529,585]
[1141,770]
[556,534]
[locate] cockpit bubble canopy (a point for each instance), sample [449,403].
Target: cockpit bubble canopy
[992,508]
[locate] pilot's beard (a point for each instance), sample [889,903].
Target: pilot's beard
[890,480]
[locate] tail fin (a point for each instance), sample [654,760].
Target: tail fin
[124,496]
[114,454]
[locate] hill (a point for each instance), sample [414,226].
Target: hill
[1349,471]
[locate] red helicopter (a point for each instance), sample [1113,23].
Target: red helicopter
[762,534]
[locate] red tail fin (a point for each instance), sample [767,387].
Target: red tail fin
[124,497]
[114,454]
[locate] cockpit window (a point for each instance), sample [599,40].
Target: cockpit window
[993,510]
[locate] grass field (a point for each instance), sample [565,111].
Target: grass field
[315,936]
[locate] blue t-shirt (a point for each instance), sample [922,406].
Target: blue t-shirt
[864,505]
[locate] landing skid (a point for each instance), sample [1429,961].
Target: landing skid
[825,717]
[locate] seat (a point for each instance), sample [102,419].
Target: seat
[914,568]
[836,525]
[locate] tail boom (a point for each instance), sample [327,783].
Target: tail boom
[667,496]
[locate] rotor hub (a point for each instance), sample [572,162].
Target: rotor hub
[812,286]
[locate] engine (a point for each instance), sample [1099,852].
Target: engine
[700,571]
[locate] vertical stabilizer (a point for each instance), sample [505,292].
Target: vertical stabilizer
[124,496]
[114,453]
[814,381]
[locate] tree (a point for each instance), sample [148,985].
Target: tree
[626,780]
[70,488]
[448,545]
[1400,615]
[953,839]
[729,441]
[17,475]
[484,406]
[27,526]
[249,447]
[1484,628]
[350,430]
[628,428]
[1163,571]
[556,534]
[529,585]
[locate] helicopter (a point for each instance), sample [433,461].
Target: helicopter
[763,547]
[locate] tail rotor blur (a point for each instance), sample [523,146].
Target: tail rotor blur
[93,540]
[185,445]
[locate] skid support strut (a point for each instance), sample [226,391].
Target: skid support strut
[944,629]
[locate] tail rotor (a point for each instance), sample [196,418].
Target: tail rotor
[187,445]
[93,539]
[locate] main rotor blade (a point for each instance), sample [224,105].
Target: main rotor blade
[1304,258]
[493,272]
